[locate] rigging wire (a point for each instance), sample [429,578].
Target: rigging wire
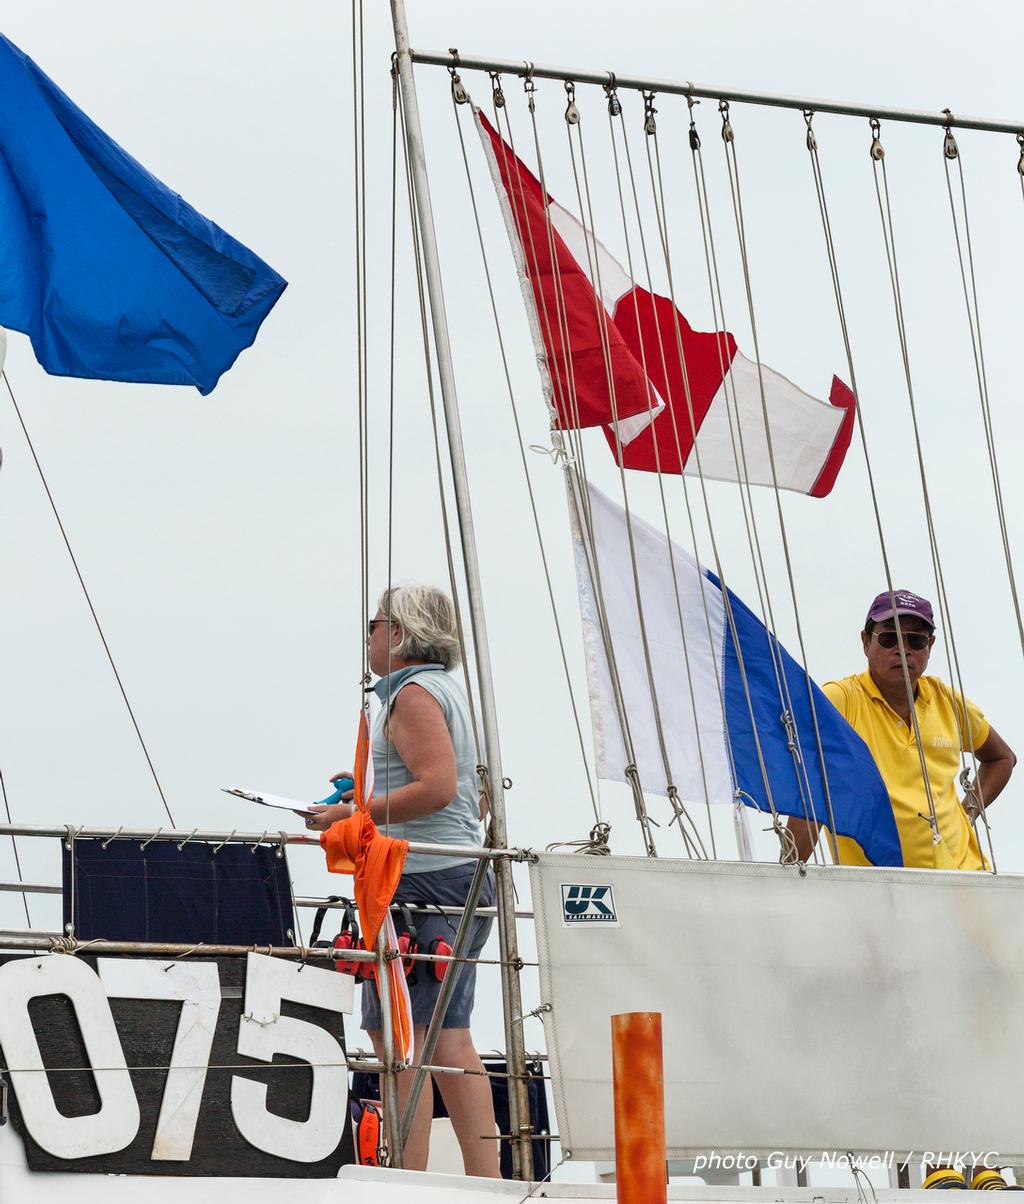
[362,369]
[578,497]
[739,453]
[359,201]
[525,467]
[881,182]
[732,163]
[492,789]
[391,399]
[585,202]
[14,846]
[951,152]
[88,599]
[445,522]
[615,110]
[974,324]
[826,225]
[736,437]
[569,404]
[571,401]
[658,194]
[877,153]
[574,440]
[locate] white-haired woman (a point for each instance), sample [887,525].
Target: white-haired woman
[426,790]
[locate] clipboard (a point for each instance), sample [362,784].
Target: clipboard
[275,801]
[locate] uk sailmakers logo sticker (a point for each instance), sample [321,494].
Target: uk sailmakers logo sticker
[588,905]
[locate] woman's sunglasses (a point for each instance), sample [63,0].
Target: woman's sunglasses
[916,641]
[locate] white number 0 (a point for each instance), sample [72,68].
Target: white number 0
[114,1126]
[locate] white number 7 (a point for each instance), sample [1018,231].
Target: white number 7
[197,985]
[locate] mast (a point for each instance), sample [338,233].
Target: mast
[519,1112]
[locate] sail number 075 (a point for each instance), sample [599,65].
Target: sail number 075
[262,1033]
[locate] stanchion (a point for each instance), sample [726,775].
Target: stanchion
[388,1079]
[638,1083]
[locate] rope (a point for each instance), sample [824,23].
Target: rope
[596,844]
[88,599]
[14,846]
[787,841]
[522,456]
[732,164]
[530,1195]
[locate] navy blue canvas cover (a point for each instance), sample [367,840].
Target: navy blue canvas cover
[238,895]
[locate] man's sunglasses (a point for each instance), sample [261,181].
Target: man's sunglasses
[916,641]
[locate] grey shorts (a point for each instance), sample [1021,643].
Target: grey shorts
[446,888]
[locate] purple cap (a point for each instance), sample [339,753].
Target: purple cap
[906,604]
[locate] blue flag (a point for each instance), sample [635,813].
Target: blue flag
[111,274]
[859,799]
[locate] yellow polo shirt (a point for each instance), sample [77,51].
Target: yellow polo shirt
[894,749]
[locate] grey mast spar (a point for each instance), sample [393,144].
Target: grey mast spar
[511,994]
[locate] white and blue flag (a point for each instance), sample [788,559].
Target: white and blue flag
[725,690]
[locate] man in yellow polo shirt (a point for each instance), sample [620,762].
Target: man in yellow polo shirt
[881,709]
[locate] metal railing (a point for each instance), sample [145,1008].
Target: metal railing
[269,836]
[36,940]
[804,104]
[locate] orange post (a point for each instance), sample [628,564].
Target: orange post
[638,1082]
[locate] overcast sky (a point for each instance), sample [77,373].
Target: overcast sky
[219,535]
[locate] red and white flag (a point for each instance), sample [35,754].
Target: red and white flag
[614,355]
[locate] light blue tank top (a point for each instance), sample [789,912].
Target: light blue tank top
[459,821]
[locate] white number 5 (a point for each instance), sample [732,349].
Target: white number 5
[263,1032]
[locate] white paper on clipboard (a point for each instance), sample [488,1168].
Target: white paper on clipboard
[269,800]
